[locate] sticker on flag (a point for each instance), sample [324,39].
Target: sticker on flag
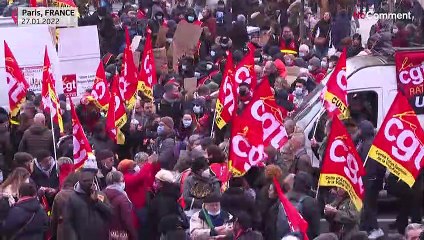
[70,85]
[54,16]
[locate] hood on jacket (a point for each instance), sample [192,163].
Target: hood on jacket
[366,129]
[30,205]
[37,129]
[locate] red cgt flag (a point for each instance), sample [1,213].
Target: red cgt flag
[116,115]
[48,93]
[64,3]
[18,86]
[226,103]
[147,75]
[82,149]
[100,93]
[295,220]
[260,124]
[128,80]
[342,166]
[268,115]
[399,143]
[244,71]
[246,146]
[335,92]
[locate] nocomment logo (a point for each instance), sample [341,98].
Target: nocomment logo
[377,16]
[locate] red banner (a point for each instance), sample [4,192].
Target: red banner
[245,72]
[116,115]
[342,166]
[128,81]
[226,103]
[82,149]
[335,92]
[147,76]
[410,76]
[399,143]
[260,124]
[49,98]
[246,148]
[63,3]
[100,92]
[18,86]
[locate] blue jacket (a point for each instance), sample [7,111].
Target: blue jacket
[26,220]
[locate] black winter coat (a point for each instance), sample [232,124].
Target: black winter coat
[163,204]
[85,219]
[235,200]
[310,212]
[26,220]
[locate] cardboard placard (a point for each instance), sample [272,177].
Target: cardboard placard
[185,41]
[161,38]
[190,84]
[161,59]
[292,73]
[136,57]
[135,42]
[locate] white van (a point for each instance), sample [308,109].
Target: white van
[372,79]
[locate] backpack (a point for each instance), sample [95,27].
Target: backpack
[282,224]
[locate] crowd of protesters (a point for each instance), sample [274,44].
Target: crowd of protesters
[170,180]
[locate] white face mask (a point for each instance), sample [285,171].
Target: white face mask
[121,185]
[209,66]
[26,180]
[395,30]
[187,123]
[301,54]
[298,91]
[324,64]
[183,67]
[137,169]
[310,68]
[214,213]
[206,173]
[169,40]
[213,53]
[68,107]
[197,109]
[196,74]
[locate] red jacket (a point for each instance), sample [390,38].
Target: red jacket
[137,185]
[319,75]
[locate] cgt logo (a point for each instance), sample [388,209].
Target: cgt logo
[70,85]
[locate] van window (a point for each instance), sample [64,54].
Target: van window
[363,105]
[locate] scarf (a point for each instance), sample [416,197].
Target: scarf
[46,172]
[116,187]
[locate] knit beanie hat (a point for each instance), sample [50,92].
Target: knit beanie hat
[125,165]
[168,122]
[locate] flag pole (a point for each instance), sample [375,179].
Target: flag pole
[213,123]
[54,139]
[366,160]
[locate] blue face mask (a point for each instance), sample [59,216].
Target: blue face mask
[190,18]
[161,129]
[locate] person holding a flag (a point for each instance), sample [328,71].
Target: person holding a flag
[373,181]
[342,215]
